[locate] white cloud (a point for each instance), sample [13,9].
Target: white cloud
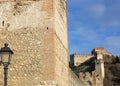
[94,24]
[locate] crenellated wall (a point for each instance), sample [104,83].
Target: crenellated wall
[77,59]
[101,50]
[87,78]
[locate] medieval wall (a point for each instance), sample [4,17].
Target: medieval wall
[101,50]
[77,59]
[100,65]
[85,79]
[37,33]
[61,43]
[89,78]
[74,79]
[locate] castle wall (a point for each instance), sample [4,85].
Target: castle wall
[29,28]
[17,15]
[37,33]
[61,43]
[90,79]
[85,79]
[101,50]
[100,65]
[74,80]
[62,77]
[77,59]
[61,23]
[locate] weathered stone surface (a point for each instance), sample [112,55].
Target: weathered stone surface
[40,51]
[87,77]
[101,50]
[77,59]
[61,66]
[74,80]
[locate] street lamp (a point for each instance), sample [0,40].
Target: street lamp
[6,55]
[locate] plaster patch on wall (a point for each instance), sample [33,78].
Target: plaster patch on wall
[21,14]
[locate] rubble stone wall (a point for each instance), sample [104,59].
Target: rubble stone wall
[36,31]
[85,79]
[27,26]
[74,79]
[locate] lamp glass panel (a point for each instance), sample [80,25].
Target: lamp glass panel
[5,57]
[10,56]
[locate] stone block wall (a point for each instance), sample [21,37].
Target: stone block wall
[37,33]
[74,79]
[29,60]
[90,79]
[61,43]
[47,83]
[85,79]
[77,59]
[17,15]
[100,65]
[101,50]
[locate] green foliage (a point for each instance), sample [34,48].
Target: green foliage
[112,71]
[108,59]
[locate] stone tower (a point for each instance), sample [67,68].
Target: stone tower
[100,65]
[36,30]
[99,52]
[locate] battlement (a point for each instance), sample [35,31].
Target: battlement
[101,50]
[77,59]
[81,55]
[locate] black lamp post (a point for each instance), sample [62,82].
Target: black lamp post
[6,55]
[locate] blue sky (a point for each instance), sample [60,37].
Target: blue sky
[94,23]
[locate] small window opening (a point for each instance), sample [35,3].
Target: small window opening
[3,23]
[47,28]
